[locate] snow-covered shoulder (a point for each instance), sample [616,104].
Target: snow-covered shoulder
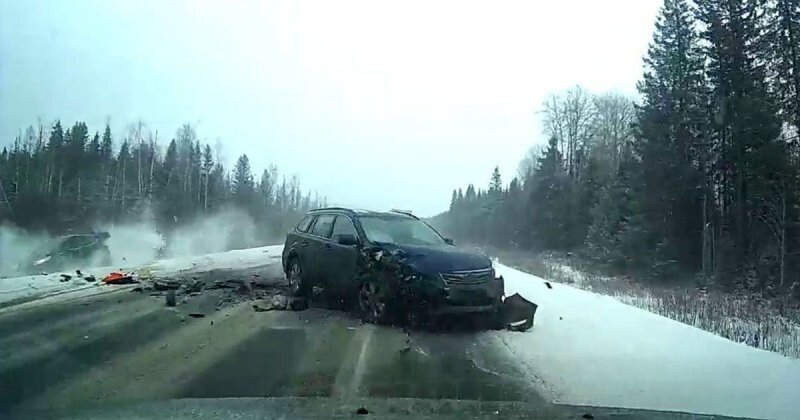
[589,349]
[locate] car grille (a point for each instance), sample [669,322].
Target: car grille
[468,277]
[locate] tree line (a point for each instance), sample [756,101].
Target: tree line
[700,175]
[64,179]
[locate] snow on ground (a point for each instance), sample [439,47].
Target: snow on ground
[40,286]
[589,349]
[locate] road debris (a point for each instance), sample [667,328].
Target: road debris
[549,286]
[195,287]
[170,298]
[65,278]
[116,277]
[277,302]
[197,315]
[90,278]
[164,284]
[517,313]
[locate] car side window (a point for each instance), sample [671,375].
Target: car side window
[322,227]
[343,226]
[305,224]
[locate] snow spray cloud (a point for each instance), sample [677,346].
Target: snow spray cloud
[16,246]
[227,229]
[135,243]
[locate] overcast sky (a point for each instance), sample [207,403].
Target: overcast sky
[376,104]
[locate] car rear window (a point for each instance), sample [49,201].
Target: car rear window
[322,227]
[305,224]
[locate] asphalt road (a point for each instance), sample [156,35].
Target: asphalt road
[124,347]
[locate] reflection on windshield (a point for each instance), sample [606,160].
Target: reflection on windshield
[400,231]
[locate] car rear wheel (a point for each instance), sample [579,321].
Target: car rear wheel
[373,302]
[294,274]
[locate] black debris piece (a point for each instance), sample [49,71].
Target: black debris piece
[225,284]
[197,315]
[65,277]
[78,272]
[298,304]
[166,285]
[362,411]
[549,286]
[90,278]
[195,287]
[587,416]
[171,298]
[518,313]
[244,289]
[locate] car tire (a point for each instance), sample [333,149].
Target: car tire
[298,287]
[373,302]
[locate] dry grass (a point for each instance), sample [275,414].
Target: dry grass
[768,324]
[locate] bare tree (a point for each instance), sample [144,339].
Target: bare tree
[569,117]
[613,122]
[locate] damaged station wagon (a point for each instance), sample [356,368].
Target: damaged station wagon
[390,265]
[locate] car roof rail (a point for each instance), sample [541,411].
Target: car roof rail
[405,212]
[331,208]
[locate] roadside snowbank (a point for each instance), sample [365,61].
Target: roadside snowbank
[39,286]
[589,349]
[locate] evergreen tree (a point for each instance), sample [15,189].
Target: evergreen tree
[242,180]
[672,130]
[746,127]
[784,37]
[549,200]
[496,184]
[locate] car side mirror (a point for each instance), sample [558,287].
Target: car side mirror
[347,239]
[449,241]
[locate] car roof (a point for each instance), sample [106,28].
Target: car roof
[362,213]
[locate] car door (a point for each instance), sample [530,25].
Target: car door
[341,260]
[318,239]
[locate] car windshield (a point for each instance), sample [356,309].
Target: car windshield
[399,231]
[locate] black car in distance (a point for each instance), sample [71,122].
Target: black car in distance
[389,264]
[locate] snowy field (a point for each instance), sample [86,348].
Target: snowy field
[589,349]
[584,348]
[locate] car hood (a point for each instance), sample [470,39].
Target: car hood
[431,260]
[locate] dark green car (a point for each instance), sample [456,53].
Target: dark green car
[70,252]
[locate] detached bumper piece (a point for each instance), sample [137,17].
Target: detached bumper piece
[517,313]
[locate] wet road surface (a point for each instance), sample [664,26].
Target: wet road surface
[124,347]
